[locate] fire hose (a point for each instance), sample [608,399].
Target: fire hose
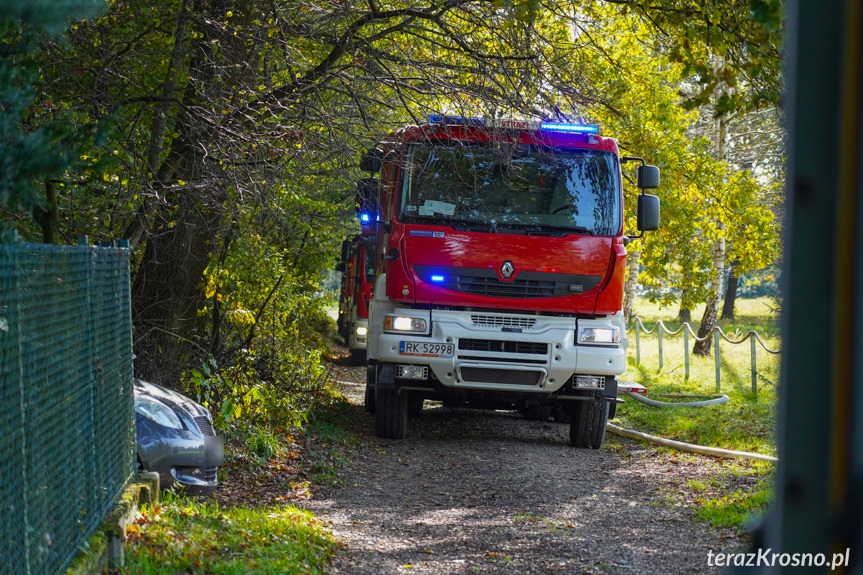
[680,445]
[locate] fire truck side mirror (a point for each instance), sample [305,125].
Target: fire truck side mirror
[648,177]
[648,212]
[371,161]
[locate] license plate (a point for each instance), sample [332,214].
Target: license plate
[427,349]
[214,451]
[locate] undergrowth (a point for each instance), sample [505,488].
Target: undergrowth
[183,535]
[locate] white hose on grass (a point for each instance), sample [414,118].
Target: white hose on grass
[690,447]
[714,400]
[680,445]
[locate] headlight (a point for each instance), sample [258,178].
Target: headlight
[607,335]
[361,330]
[158,412]
[404,323]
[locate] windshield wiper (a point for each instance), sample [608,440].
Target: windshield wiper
[456,224]
[565,229]
[427,220]
[545,230]
[473,226]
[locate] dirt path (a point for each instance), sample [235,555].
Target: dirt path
[490,492]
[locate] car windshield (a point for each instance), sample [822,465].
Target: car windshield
[492,185]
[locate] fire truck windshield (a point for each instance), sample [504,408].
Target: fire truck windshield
[492,185]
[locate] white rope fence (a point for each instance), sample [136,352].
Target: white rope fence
[717,334]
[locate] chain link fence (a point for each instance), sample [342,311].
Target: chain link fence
[67,424]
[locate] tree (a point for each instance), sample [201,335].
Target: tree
[701,193]
[31,155]
[234,120]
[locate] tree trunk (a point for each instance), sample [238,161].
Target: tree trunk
[167,290]
[631,281]
[48,217]
[730,292]
[685,314]
[189,220]
[711,310]
[708,323]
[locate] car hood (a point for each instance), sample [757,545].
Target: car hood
[168,397]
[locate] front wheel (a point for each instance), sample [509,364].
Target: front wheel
[358,357]
[587,423]
[391,421]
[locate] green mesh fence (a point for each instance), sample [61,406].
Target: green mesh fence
[67,424]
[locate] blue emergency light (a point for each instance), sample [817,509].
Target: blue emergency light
[437,278]
[365,218]
[569,128]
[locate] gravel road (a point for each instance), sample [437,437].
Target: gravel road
[490,492]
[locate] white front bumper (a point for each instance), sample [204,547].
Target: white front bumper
[503,351]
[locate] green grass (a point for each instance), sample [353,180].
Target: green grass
[182,535]
[736,508]
[746,423]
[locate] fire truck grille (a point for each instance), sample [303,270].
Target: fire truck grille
[498,346]
[493,287]
[525,285]
[500,376]
[502,321]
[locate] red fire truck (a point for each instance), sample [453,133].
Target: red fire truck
[500,269]
[357,266]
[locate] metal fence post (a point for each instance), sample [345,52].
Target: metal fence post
[686,350]
[637,341]
[718,359]
[753,365]
[660,329]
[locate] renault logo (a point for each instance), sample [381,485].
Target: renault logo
[506,270]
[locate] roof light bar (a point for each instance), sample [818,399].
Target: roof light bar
[514,124]
[456,121]
[570,128]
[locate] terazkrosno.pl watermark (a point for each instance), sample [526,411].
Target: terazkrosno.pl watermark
[768,558]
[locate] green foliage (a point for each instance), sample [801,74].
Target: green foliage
[31,152]
[181,535]
[261,391]
[730,47]
[261,442]
[641,84]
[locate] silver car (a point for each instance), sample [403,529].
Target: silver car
[176,439]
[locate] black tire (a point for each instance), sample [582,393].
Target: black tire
[391,421]
[340,326]
[369,397]
[358,357]
[587,423]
